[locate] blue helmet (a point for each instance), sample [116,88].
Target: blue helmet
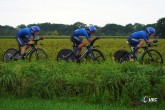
[150,30]
[92,29]
[35,28]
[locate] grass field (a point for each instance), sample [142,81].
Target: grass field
[105,83]
[40,104]
[53,46]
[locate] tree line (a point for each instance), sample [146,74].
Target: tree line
[52,29]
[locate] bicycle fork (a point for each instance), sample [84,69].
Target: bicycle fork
[91,52]
[150,56]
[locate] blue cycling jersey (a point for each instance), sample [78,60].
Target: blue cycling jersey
[25,32]
[82,32]
[140,35]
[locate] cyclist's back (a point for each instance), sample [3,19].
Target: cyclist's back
[82,32]
[25,32]
[139,35]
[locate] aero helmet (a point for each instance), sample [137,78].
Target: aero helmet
[92,29]
[150,30]
[35,28]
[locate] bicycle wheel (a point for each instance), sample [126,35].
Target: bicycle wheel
[38,54]
[99,57]
[152,57]
[11,54]
[122,56]
[65,54]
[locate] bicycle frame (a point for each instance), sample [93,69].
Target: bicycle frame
[145,49]
[141,54]
[33,48]
[88,49]
[139,57]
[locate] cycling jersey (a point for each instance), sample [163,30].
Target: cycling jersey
[82,32]
[140,35]
[23,36]
[25,32]
[134,38]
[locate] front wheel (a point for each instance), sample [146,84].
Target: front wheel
[38,54]
[66,55]
[152,57]
[11,54]
[98,56]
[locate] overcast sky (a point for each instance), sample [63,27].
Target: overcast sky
[96,12]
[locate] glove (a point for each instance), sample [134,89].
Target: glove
[155,40]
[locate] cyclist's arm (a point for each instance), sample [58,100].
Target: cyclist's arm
[146,39]
[88,37]
[152,41]
[149,41]
[91,39]
[32,37]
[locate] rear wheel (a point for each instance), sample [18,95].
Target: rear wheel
[152,57]
[99,57]
[66,55]
[121,56]
[11,54]
[38,54]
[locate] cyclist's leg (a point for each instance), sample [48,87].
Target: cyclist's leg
[135,51]
[80,42]
[136,44]
[22,42]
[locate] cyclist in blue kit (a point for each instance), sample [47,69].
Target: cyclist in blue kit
[75,37]
[24,36]
[136,43]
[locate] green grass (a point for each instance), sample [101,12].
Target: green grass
[40,104]
[108,82]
